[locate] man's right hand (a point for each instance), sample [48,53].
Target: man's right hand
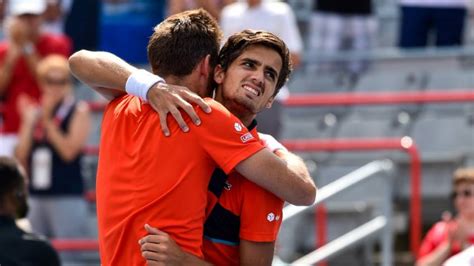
[167,98]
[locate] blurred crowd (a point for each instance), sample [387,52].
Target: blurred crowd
[46,128]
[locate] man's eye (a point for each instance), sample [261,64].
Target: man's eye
[248,64]
[270,75]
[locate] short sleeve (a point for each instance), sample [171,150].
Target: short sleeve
[261,213]
[433,239]
[225,138]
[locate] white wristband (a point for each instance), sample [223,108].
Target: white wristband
[271,143]
[140,82]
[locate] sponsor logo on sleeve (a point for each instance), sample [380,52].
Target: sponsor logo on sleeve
[238,127]
[246,137]
[271,217]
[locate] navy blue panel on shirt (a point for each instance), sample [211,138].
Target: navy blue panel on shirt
[217,183]
[222,226]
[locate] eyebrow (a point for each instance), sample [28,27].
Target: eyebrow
[258,63]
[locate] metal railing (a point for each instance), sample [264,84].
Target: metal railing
[380,224]
[405,144]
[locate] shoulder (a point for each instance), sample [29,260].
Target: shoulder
[437,232]
[440,227]
[217,106]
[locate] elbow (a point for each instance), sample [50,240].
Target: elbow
[306,196]
[309,196]
[75,60]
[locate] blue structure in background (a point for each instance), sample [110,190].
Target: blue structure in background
[127,27]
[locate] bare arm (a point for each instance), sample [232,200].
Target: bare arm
[70,144]
[29,115]
[256,253]
[107,74]
[287,178]
[159,248]
[104,72]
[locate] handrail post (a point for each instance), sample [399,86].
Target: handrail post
[415,200]
[387,233]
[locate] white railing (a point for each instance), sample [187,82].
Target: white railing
[380,225]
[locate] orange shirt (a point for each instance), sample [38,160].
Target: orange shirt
[145,177]
[238,209]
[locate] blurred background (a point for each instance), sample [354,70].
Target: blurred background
[380,106]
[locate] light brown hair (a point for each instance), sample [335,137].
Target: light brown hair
[54,61]
[463,175]
[181,41]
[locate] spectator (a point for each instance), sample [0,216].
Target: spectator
[55,15]
[339,24]
[421,19]
[16,246]
[50,143]
[19,54]
[278,18]
[450,236]
[214,7]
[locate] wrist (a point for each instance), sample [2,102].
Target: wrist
[139,83]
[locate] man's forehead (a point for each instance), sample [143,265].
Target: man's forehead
[255,52]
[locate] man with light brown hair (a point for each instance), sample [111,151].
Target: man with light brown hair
[149,180]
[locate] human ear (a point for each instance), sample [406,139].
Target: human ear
[219,74]
[270,102]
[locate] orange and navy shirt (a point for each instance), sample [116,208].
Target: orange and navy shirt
[238,209]
[145,177]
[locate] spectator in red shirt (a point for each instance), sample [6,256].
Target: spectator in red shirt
[450,236]
[19,54]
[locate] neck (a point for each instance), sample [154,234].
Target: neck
[190,81]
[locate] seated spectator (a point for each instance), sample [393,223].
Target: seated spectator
[454,234]
[51,140]
[23,46]
[16,246]
[440,21]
